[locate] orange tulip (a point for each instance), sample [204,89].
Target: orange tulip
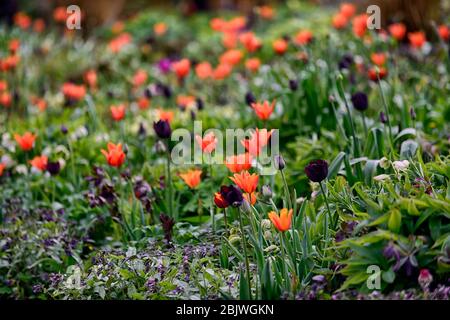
[250,41]
[266,12]
[250,198]
[40,103]
[26,141]
[115,155]
[39,162]
[217,24]
[5,99]
[203,70]
[14,45]
[347,10]
[119,42]
[360,25]
[208,143]
[239,162]
[9,62]
[73,91]
[160,28]
[257,141]
[60,14]
[372,73]
[253,64]
[417,39]
[397,30]
[246,181]
[444,32]
[139,78]
[118,112]
[22,20]
[378,59]
[91,78]
[263,110]
[339,21]
[229,40]
[39,25]
[192,177]
[182,68]
[280,46]
[2,168]
[303,37]
[283,221]
[185,101]
[231,57]
[3,85]
[222,71]
[165,115]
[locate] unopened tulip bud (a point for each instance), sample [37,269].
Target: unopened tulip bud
[266,192]
[280,164]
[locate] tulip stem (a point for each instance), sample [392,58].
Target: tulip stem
[225,221]
[327,216]
[364,124]
[169,182]
[386,110]
[244,245]
[286,189]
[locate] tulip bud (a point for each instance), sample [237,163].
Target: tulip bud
[384,163]
[200,104]
[64,129]
[280,164]
[383,117]
[266,224]
[249,98]
[162,129]
[412,113]
[293,84]
[317,170]
[160,147]
[425,279]
[360,101]
[266,192]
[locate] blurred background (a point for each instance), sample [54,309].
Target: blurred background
[416,14]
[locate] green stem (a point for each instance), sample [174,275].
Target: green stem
[286,189]
[244,245]
[169,182]
[327,216]
[386,110]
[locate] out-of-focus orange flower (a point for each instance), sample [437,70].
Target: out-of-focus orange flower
[26,141]
[22,20]
[417,39]
[222,71]
[266,12]
[236,24]
[339,21]
[39,25]
[229,40]
[14,45]
[165,115]
[444,32]
[283,221]
[231,57]
[39,162]
[3,166]
[253,64]
[160,28]
[115,155]
[182,68]
[220,201]
[378,58]
[303,37]
[203,70]
[360,25]
[372,73]
[347,10]
[251,198]
[397,30]
[239,162]
[280,46]
[40,103]
[208,143]
[246,181]
[5,99]
[119,42]
[3,85]
[9,62]
[257,141]
[185,101]
[139,78]
[118,27]
[143,103]
[250,41]
[117,112]
[73,91]
[192,177]
[217,24]
[263,110]
[91,78]
[60,14]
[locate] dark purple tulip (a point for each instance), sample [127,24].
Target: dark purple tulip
[162,129]
[249,98]
[167,225]
[346,62]
[317,170]
[383,117]
[53,168]
[64,129]
[280,164]
[360,101]
[200,104]
[232,195]
[293,84]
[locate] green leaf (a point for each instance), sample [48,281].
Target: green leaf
[408,149]
[335,165]
[395,220]
[388,276]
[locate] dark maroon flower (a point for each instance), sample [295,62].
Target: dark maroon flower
[383,117]
[293,84]
[167,225]
[162,129]
[360,101]
[232,195]
[53,167]
[280,164]
[249,98]
[317,170]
